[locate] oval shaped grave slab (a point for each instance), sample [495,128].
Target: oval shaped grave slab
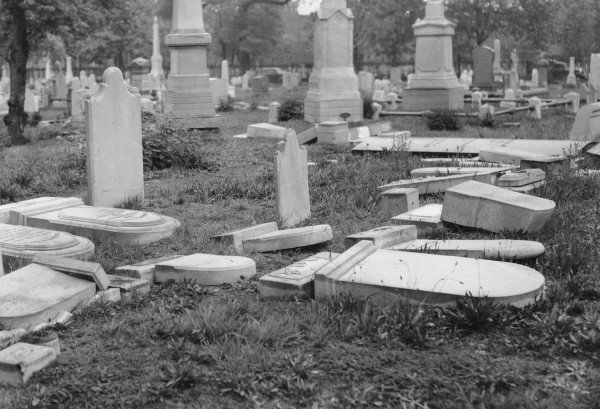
[289,239]
[386,275]
[35,294]
[111,217]
[445,171]
[205,269]
[486,249]
[22,242]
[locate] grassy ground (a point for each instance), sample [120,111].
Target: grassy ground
[184,346]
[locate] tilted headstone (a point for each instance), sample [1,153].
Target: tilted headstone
[114,143]
[289,239]
[293,200]
[587,124]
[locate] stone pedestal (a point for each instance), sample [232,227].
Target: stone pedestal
[157,74]
[333,85]
[434,85]
[188,100]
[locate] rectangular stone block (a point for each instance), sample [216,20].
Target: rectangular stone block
[295,279]
[236,238]
[129,285]
[265,130]
[384,236]
[414,99]
[77,268]
[524,159]
[425,217]
[333,132]
[20,361]
[491,208]
[399,200]
[521,178]
[144,270]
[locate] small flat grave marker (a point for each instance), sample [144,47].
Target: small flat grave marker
[289,239]
[424,217]
[206,269]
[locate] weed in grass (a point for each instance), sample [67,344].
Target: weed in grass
[133,203]
[473,314]
[443,120]
[226,105]
[368,108]
[291,109]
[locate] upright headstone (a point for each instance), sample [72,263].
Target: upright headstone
[157,73]
[333,85]
[189,101]
[535,78]
[293,200]
[69,74]
[48,70]
[31,107]
[434,85]
[225,71]
[60,90]
[114,143]
[286,80]
[498,71]
[573,98]
[75,84]
[513,80]
[483,64]
[245,81]
[366,85]
[594,76]
[571,79]
[536,110]
[83,79]
[92,84]
[476,98]
[274,112]
[396,75]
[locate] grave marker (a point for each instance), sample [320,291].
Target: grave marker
[205,269]
[20,361]
[293,201]
[114,143]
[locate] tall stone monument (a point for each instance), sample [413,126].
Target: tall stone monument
[333,85]
[188,100]
[69,73]
[498,71]
[434,85]
[571,79]
[157,74]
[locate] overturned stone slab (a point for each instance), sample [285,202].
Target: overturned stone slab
[506,250]
[384,236]
[289,239]
[235,238]
[35,294]
[424,217]
[265,130]
[526,160]
[521,178]
[22,242]
[469,146]
[206,269]
[295,279]
[386,275]
[587,124]
[445,171]
[399,200]
[20,361]
[128,284]
[491,208]
[76,268]
[70,215]
[436,184]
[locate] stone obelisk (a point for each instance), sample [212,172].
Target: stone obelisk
[157,74]
[434,85]
[188,100]
[333,85]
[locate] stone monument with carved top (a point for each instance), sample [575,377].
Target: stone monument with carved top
[188,100]
[434,85]
[333,85]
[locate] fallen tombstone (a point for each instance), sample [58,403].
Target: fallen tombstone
[384,236]
[424,217]
[76,268]
[23,243]
[265,130]
[295,279]
[8,338]
[205,269]
[20,361]
[129,285]
[587,124]
[35,294]
[385,275]
[357,134]
[468,146]
[492,208]
[399,200]
[521,178]
[526,160]
[236,238]
[289,239]
[308,135]
[1,263]
[506,250]
[378,128]
[444,171]
[436,184]
[143,270]
[293,201]
[459,162]
[109,296]
[70,214]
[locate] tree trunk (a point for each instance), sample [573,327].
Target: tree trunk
[18,51]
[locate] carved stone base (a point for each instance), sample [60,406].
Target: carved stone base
[425,99]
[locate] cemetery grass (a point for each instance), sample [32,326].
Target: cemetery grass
[184,346]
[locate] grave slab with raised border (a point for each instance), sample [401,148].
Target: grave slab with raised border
[264,130]
[424,217]
[384,236]
[445,171]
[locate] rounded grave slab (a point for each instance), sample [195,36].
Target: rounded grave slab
[289,238]
[206,269]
